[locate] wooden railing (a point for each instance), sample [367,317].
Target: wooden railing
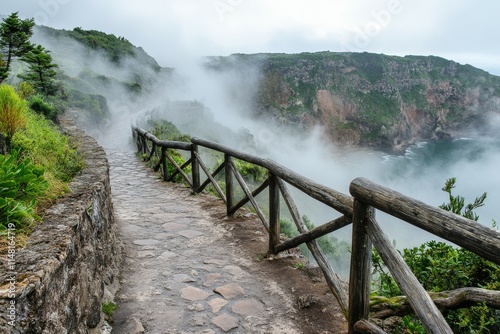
[358,210]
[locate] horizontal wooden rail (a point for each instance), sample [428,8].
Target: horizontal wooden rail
[315,233]
[469,234]
[358,210]
[332,278]
[245,200]
[330,197]
[449,226]
[178,145]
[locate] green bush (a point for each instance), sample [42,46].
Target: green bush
[95,105]
[40,106]
[333,248]
[109,308]
[442,267]
[43,143]
[21,183]
[179,160]
[115,48]
[40,161]
[165,130]
[12,113]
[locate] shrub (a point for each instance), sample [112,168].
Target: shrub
[108,309]
[440,267]
[40,106]
[12,113]
[21,183]
[42,142]
[25,90]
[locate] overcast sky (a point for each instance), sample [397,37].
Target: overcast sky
[172,30]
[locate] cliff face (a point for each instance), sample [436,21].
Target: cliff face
[374,100]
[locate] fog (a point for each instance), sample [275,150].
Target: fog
[419,173]
[227,100]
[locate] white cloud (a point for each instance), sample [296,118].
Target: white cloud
[174,29]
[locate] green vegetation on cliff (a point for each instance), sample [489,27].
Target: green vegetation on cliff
[37,165]
[116,49]
[94,66]
[439,267]
[388,101]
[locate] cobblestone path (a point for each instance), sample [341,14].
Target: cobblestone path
[181,274]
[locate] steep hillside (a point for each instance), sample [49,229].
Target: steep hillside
[363,99]
[386,102]
[95,68]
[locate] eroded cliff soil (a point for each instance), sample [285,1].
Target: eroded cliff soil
[374,100]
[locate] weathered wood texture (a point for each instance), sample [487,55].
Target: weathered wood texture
[315,233]
[360,273]
[163,160]
[332,198]
[179,170]
[229,184]
[359,210]
[364,326]
[274,214]
[245,199]
[331,277]
[211,178]
[195,168]
[419,299]
[469,234]
[248,193]
[445,300]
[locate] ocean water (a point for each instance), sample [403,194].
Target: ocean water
[423,170]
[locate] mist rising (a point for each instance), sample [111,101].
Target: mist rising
[226,101]
[420,172]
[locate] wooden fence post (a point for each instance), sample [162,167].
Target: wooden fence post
[195,168]
[229,184]
[144,145]
[135,137]
[361,259]
[274,214]
[164,162]
[138,143]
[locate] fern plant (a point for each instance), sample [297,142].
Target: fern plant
[21,182]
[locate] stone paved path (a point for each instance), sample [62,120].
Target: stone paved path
[180,272]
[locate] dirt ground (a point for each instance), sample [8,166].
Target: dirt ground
[317,309]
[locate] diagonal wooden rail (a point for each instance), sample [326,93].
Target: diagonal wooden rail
[358,210]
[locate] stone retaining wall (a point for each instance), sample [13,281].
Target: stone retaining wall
[62,275]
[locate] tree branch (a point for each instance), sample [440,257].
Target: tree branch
[382,307]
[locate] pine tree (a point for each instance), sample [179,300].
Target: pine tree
[41,71]
[15,37]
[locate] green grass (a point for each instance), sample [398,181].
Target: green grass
[47,148]
[36,170]
[109,309]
